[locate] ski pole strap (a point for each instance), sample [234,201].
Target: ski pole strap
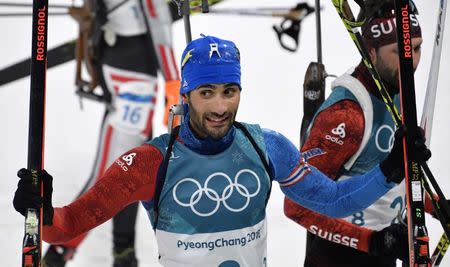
[290,28]
[162,173]
[259,152]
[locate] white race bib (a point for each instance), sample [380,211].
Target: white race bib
[134,98]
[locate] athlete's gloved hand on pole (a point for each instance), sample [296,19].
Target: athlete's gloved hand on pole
[391,242]
[27,195]
[392,166]
[172,98]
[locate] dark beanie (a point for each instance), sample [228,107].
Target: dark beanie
[381,30]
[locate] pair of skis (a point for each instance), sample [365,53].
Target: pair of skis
[416,180]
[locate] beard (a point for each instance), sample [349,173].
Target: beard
[389,76]
[200,123]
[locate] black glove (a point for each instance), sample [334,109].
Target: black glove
[391,242]
[392,166]
[27,194]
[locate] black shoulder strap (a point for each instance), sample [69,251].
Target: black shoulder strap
[162,172]
[259,152]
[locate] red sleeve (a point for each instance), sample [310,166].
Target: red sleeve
[337,148]
[335,230]
[125,182]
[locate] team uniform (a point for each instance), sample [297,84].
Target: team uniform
[136,43]
[350,134]
[212,205]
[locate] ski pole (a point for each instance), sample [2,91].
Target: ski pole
[26,14]
[184,10]
[60,13]
[318,32]
[314,81]
[32,241]
[426,121]
[11,4]
[428,108]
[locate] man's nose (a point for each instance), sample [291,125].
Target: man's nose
[219,106]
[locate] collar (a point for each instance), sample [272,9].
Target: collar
[207,146]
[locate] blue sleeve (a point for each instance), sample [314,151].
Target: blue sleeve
[312,189]
[283,155]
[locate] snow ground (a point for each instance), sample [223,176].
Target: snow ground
[272,81]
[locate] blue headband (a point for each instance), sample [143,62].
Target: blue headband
[209,60]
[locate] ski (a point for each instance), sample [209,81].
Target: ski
[56,56]
[440,250]
[417,231]
[32,241]
[428,110]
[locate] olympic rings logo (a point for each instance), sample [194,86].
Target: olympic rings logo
[390,132]
[218,197]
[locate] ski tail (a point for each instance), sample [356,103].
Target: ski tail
[32,241]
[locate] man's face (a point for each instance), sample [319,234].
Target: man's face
[386,61]
[212,109]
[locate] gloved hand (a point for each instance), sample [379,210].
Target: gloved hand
[27,194]
[172,98]
[390,242]
[392,166]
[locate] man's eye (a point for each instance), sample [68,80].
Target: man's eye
[206,93]
[230,91]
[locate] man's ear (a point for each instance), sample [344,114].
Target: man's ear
[185,97]
[373,55]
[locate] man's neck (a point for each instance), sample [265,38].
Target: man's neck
[207,145]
